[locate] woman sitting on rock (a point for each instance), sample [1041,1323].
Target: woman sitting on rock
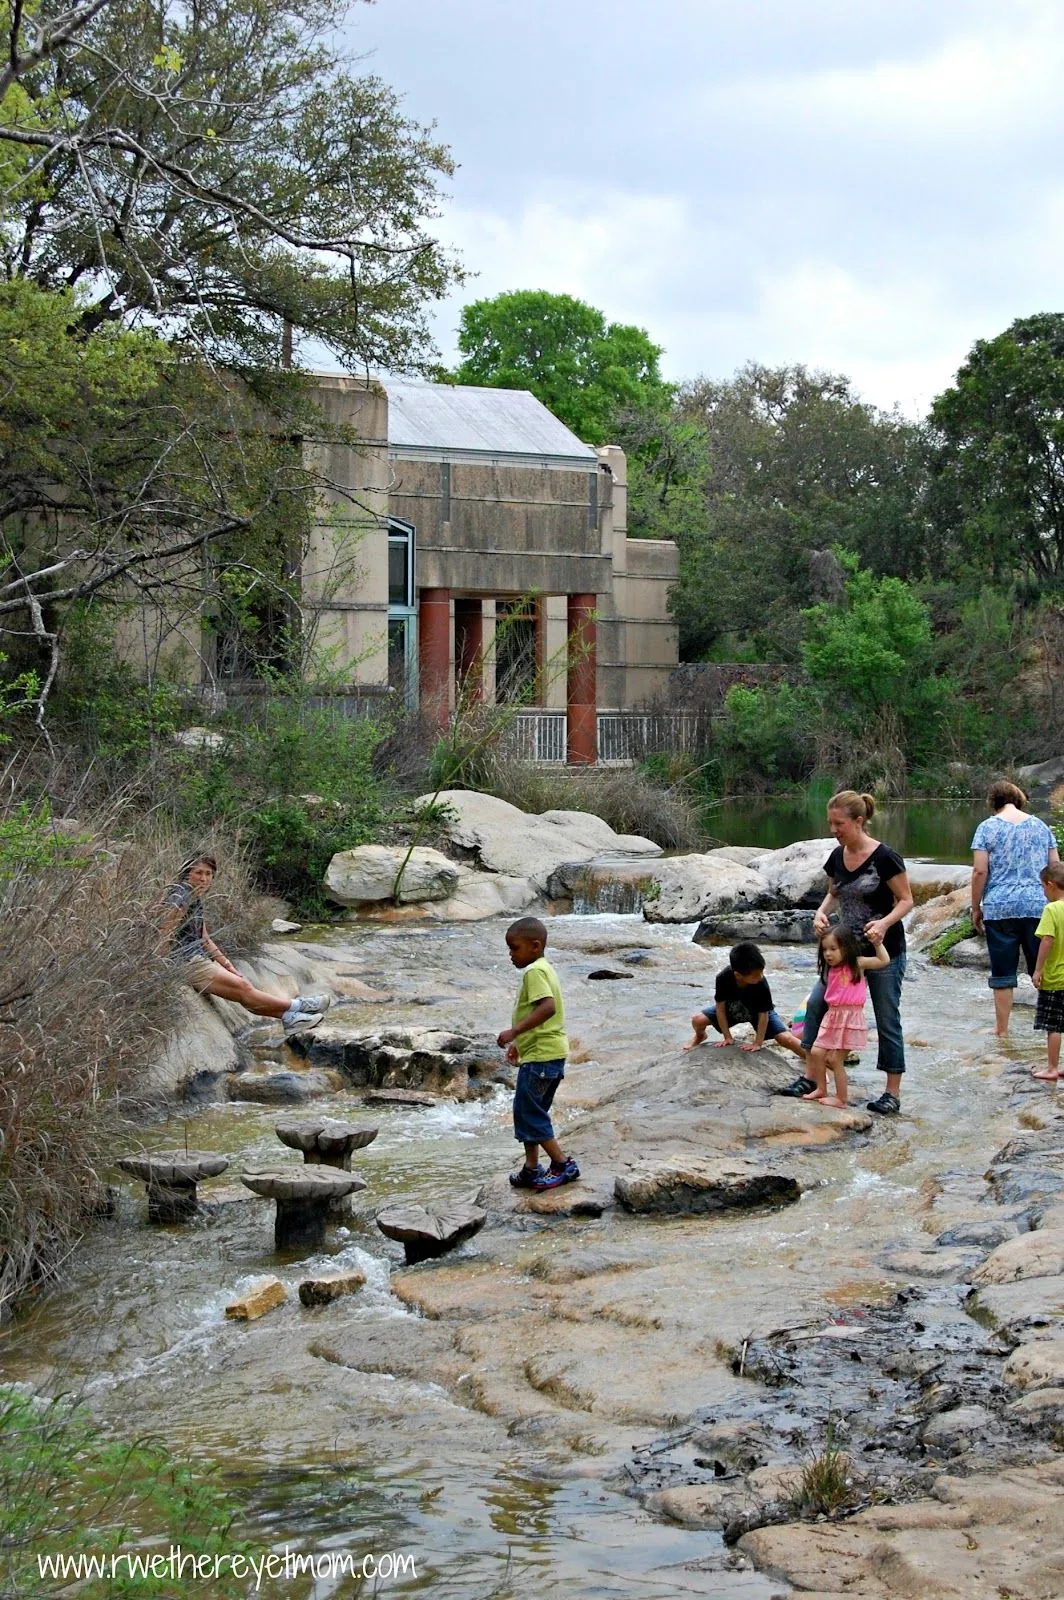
[1009,851]
[868,891]
[201,964]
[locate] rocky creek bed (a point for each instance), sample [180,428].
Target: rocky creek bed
[619,1400]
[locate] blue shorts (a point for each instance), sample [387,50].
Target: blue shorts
[1006,937]
[537,1084]
[738,1013]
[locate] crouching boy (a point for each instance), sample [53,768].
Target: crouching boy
[742,995]
[536,1041]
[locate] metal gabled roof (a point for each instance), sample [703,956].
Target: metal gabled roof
[462,420]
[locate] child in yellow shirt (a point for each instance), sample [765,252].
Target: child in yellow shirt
[1048,974]
[536,1040]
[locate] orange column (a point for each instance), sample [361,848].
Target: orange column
[582,709]
[434,652]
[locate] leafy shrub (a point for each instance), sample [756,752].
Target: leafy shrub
[65,1487]
[767,732]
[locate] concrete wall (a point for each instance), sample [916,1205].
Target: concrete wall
[345,570]
[638,644]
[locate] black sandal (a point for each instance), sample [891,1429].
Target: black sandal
[888,1105]
[798,1088]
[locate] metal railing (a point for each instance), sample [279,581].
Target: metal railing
[537,736]
[624,737]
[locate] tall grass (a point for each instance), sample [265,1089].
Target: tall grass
[86,1000]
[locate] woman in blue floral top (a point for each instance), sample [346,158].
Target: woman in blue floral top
[1010,849]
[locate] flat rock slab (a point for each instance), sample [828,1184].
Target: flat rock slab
[303,1183]
[693,1187]
[1038,1364]
[931,1263]
[590,1196]
[799,1122]
[953,1431]
[173,1167]
[263,1296]
[981,1235]
[424,1233]
[272,1088]
[1022,1304]
[330,1286]
[1031,1255]
[401,1097]
[764,927]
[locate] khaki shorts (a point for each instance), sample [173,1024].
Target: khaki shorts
[199,972]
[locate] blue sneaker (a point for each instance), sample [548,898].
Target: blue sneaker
[527,1177]
[568,1172]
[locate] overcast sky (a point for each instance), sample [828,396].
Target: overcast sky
[862,185]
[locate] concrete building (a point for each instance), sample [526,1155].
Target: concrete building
[491,549]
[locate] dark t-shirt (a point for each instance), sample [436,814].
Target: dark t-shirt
[753,998]
[188,935]
[863,894]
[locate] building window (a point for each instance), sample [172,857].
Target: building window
[402,611]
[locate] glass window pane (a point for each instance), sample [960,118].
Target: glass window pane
[398,572]
[397,631]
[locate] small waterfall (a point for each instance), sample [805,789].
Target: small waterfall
[617,892]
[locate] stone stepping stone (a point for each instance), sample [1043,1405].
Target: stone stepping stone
[400,1097]
[694,1187]
[303,1195]
[170,1177]
[330,1286]
[324,1142]
[256,1301]
[424,1233]
[271,1088]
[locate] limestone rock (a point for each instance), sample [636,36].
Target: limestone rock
[1038,1404]
[503,839]
[1024,1305]
[764,927]
[281,925]
[368,874]
[1031,1255]
[272,1088]
[983,1235]
[399,1097]
[930,1263]
[794,876]
[935,917]
[425,1233]
[695,1186]
[483,894]
[1040,778]
[972,954]
[590,1196]
[932,879]
[744,854]
[1036,1365]
[329,1286]
[263,1296]
[432,1059]
[696,886]
[953,1431]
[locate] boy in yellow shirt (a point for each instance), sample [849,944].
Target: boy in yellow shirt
[1048,974]
[536,1040]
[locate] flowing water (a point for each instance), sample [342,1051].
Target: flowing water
[333,1456]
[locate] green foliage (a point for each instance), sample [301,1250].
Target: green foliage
[938,951]
[792,463]
[219,168]
[65,1487]
[874,648]
[581,367]
[827,1485]
[29,841]
[298,782]
[765,733]
[999,461]
[120,719]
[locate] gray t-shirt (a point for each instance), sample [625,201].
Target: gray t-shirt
[187,939]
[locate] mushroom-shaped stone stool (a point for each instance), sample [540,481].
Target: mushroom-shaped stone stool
[424,1233]
[323,1141]
[171,1177]
[303,1196]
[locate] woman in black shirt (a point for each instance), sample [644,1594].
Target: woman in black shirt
[868,890]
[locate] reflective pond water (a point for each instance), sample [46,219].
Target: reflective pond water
[935,830]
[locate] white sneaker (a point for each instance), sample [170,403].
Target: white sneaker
[312,1002]
[300,1021]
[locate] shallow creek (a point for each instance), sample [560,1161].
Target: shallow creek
[329,1455]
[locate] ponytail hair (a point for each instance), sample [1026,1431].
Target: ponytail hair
[858,807]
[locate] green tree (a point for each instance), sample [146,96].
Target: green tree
[999,461]
[583,368]
[794,463]
[218,170]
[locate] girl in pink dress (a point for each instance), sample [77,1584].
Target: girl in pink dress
[842,971]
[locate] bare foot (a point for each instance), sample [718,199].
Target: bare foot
[833,1100]
[1047,1076]
[692,1043]
[815,1094]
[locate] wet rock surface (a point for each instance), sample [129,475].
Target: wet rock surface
[433,1059]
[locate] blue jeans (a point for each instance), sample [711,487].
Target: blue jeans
[537,1084]
[1005,938]
[884,988]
